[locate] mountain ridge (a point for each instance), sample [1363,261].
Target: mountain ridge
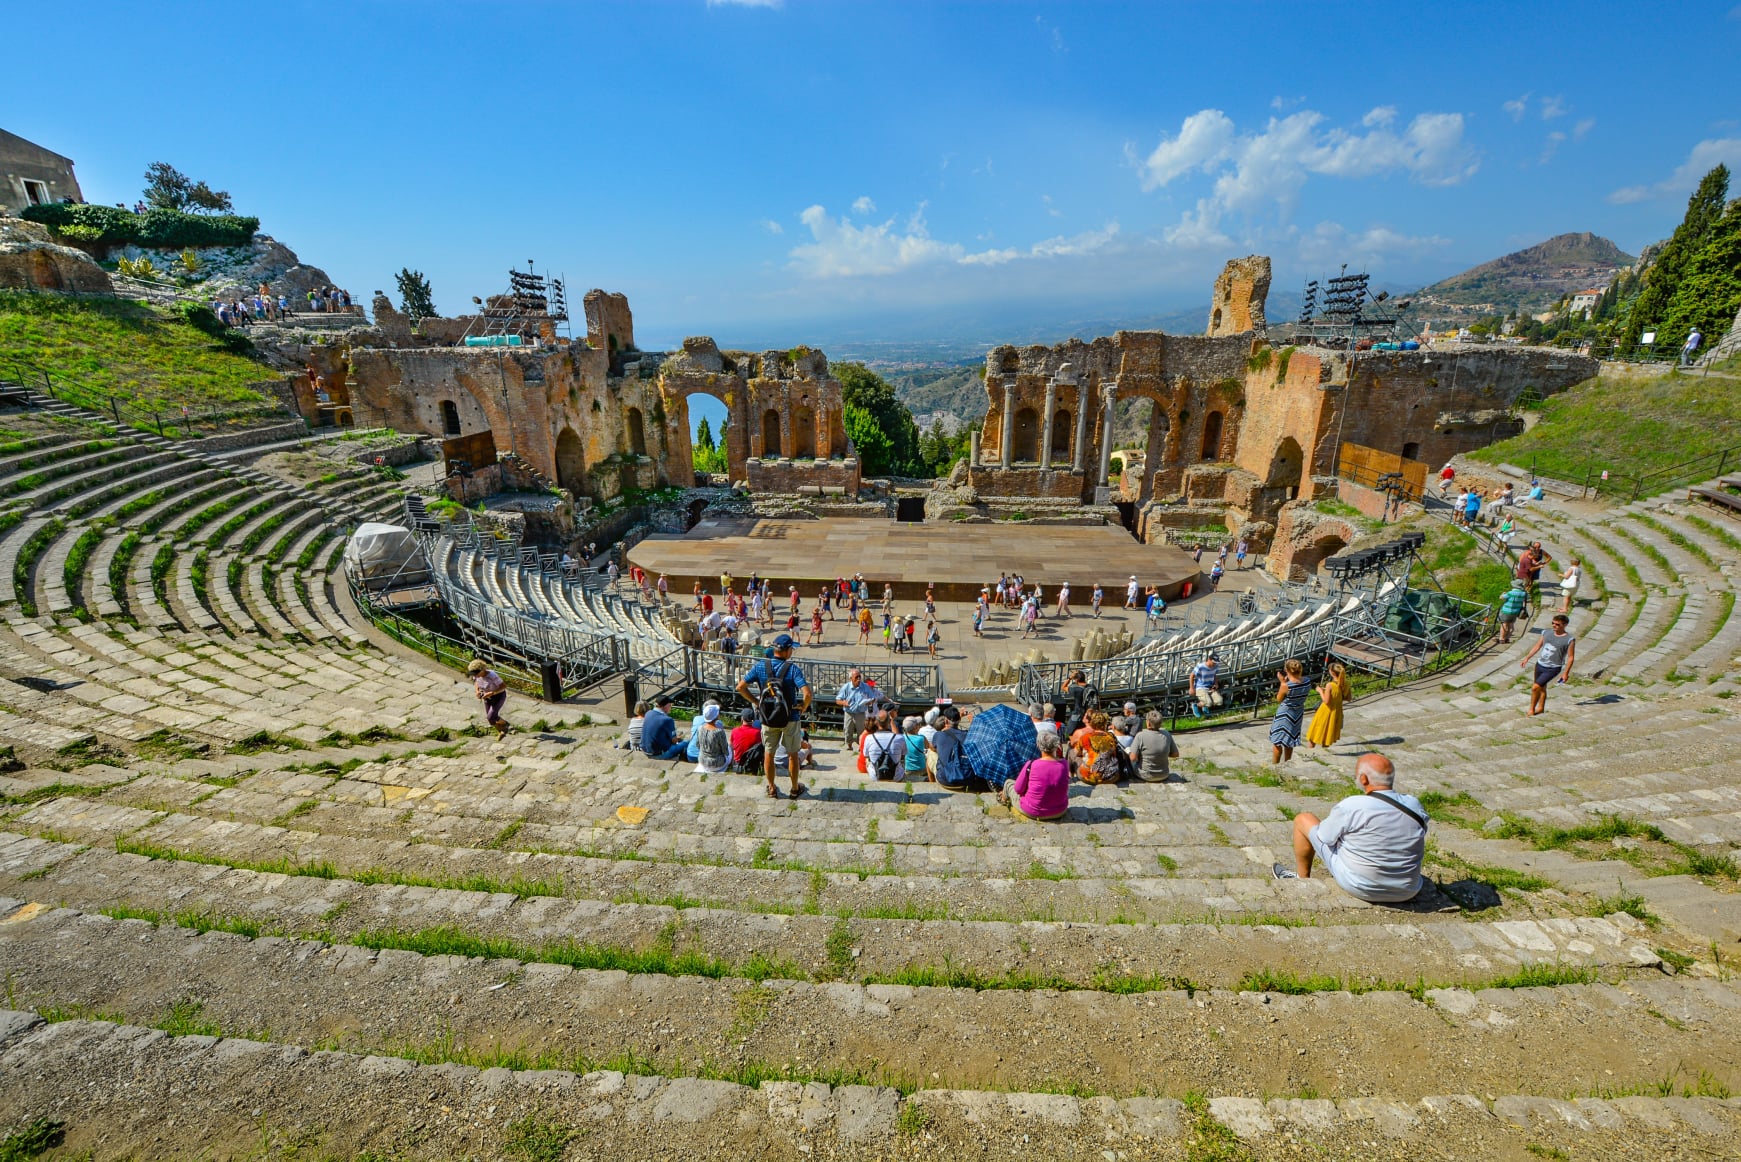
[1527,281]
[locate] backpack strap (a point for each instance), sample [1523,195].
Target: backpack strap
[1406,811]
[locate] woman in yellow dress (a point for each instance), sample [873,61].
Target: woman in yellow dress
[1326,726]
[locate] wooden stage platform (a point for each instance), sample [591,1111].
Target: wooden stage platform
[957,558]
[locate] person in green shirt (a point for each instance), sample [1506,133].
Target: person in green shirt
[1511,607]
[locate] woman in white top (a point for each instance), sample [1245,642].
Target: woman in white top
[1569,582]
[884,741]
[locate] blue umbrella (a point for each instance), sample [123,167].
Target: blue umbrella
[999,740]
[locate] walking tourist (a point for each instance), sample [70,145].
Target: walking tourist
[1215,573]
[795,602]
[1041,789]
[1553,653]
[1372,844]
[857,699]
[1511,607]
[1153,746]
[1030,616]
[864,625]
[1098,596]
[1284,731]
[664,590]
[784,696]
[492,691]
[1130,592]
[659,732]
[1206,686]
[1326,726]
[1239,553]
[1569,582]
[1529,565]
[1690,348]
[933,637]
[930,601]
[1064,599]
[815,636]
[979,620]
[908,630]
[1446,475]
[888,631]
[825,602]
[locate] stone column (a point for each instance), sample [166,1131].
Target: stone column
[973,448]
[1009,422]
[1046,432]
[1109,400]
[1082,397]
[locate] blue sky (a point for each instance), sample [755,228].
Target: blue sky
[781,172]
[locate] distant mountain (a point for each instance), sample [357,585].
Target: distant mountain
[1530,280]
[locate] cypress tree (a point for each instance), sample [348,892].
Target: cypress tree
[1704,210]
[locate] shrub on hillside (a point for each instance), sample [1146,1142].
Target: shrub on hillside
[158,229]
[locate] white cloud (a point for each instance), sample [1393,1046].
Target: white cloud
[864,206]
[772,226]
[841,250]
[1203,141]
[1704,156]
[1258,172]
[1553,107]
[1583,127]
[1060,247]
[1517,107]
[1046,200]
[1329,242]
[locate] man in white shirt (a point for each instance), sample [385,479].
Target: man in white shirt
[1372,843]
[1130,594]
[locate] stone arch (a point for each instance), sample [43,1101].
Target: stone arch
[1063,428]
[1215,320]
[1025,443]
[771,434]
[1286,467]
[1411,451]
[571,462]
[449,419]
[1212,436]
[803,432]
[637,430]
[1326,543]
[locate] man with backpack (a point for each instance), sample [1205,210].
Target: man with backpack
[784,695]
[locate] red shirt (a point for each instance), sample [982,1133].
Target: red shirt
[742,739]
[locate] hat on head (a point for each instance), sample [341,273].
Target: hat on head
[710,712]
[477,666]
[783,642]
[1133,576]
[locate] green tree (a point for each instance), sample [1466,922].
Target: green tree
[203,197]
[166,188]
[887,439]
[415,297]
[1662,280]
[704,436]
[1709,292]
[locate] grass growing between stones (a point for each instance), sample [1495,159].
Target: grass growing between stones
[1722,535]
[1678,540]
[1643,845]
[34,1138]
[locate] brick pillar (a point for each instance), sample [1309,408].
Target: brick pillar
[1046,432]
[1082,398]
[1009,422]
[1109,399]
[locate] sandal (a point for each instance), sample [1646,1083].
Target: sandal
[773,792]
[799,790]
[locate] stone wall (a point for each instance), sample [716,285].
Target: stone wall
[838,477]
[30,260]
[1237,304]
[1303,538]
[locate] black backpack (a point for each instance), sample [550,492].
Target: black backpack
[887,766]
[751,763]
[775,709]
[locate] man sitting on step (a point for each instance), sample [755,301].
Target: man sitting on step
[1372,843]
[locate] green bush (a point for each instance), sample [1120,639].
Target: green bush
[165,229]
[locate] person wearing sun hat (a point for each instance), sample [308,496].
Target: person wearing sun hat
[1130,592]
[713,742]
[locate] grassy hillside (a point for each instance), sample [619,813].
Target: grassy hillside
[1628,426]
[99,347]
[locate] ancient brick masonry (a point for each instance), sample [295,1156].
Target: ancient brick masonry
[596,415]
[1240,429]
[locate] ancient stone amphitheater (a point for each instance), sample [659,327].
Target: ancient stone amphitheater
[264,897]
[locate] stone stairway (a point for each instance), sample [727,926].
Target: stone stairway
[263,870]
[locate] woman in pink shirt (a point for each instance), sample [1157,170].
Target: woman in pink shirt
[1041,789]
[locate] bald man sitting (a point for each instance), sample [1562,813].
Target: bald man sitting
[1372,843]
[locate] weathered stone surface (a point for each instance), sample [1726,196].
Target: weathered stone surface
[31,260]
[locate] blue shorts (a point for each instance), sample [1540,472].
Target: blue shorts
[1546,674]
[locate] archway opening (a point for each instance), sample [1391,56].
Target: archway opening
[1215,320]
[1326,545]
[1026,446]
[1411,451]
[910,509]
[1286,466]
[571,462]
[637,432]
[803,434]
[1212,436]
[449,418]
[771,434]
[1061,432]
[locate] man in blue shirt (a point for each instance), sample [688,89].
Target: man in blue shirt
[857,699]
[780,669]
[659,731]
[1205,678]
